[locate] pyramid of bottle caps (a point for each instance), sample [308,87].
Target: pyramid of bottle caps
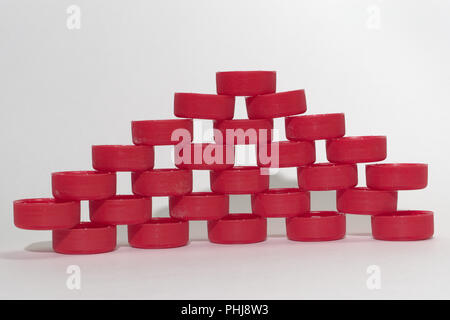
[61,214]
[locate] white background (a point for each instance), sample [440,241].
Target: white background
[383,63]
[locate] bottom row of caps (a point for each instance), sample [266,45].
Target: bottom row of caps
[159,233]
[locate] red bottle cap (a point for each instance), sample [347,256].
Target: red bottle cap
[199,206]
[46,214]
[246,83]
[285,202]
[120,209]
[276,105]
[239,180]
[356,149]
[83,185]
[203,106]
[290,154]
[122,158]
[403,225]
[315,127]
[243,131]
[205,156]
[162,182]
[366,201]
[397,176]
[159,132]
[159,233]
[327,176]
[238,229]
[316,226]
[85,238]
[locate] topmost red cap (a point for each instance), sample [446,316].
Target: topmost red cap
[246,83]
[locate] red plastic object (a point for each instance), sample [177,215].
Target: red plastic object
[121,209]
[199,206]
[327,176]
[286,154]
[159,132]
[203,106]
[397,176]
[316,226]
[315,127]
[356,149]
[122,158]
[205,156]
[246,83]
[239,180]
[276,203]
[85,238]
[276,105]
[159,233]
[46,214]
[162,182]
[238,229]
[405,225]
[83,185]
[243,131]
[366,201]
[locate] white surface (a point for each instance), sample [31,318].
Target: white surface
[277,269]
[64,90]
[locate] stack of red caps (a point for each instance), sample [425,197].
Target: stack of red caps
[61,214]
